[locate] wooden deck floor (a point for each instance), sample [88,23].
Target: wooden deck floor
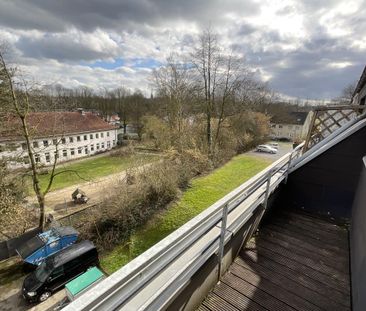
[297,262]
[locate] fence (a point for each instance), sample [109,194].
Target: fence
[327,120]
[154,280]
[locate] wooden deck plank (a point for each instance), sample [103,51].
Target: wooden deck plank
[273,289]
[296,286]
[256,294]
[327,242]
[236,299]
[336,251]
[252,259]
[329,237]
[306,249]
[297,262]
[294,265]
[305,260]
[216,303]
[314,222]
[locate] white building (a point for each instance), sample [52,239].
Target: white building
[294,127]
[73,134]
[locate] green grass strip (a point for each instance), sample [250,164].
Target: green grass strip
[204,191]
[93,168]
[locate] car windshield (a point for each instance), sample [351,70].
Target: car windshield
[42,272]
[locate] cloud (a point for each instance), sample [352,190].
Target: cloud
[303,48]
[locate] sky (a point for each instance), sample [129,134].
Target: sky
[308,49]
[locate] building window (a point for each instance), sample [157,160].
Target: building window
[102,145]
[273,126]
[290,126]
[63,140]
[71,139]
[64,153]
[45,143]
[37,158]
[80,150]
[107,134]
[72,151]
[26,160]
[56,154]
[85,137]
[24,146]
[101,135]
[98,146]
[86,149]
[47,156]
[280,126]
[114,142]
[78,138]
[108,144]
[91,136]
[96,135]
[35,144]
[91,147]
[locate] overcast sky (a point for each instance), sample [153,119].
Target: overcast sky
[306,49]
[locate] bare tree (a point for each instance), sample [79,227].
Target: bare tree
[346,95]
[121,96]
[207,60]
[17,99]
[174,88]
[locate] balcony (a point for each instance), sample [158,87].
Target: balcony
[280,241]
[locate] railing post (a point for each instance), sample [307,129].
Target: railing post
[267,189]
[258,219]
[311,128]
[288,167]
[222,238]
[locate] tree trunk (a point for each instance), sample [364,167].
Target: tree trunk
[36,186]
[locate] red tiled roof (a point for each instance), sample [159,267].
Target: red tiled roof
[48,124]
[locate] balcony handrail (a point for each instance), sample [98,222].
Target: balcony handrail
[122,286]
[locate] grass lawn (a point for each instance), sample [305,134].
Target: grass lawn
[204,191]
[93,168]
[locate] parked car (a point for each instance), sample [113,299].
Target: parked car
[59,269]
[266,148]
[38,248]
[273,145]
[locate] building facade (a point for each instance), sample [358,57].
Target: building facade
[65,135]
[294,127]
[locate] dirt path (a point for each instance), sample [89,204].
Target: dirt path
[59,202]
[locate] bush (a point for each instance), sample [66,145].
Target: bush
[124,151]
[115,219]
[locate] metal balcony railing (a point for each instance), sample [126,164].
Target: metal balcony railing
[155,278]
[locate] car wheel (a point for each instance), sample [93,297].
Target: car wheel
[44,296]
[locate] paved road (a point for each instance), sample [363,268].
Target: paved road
[283,148]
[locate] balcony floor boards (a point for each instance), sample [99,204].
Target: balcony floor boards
[295,262]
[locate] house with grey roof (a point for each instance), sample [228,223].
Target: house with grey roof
[293,127]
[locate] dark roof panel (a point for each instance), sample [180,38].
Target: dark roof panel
[361,83]
[293,117]
[70,253]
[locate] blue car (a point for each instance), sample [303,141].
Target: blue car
[38,248]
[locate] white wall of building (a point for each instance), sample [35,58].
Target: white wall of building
[70,147]
[291,131]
